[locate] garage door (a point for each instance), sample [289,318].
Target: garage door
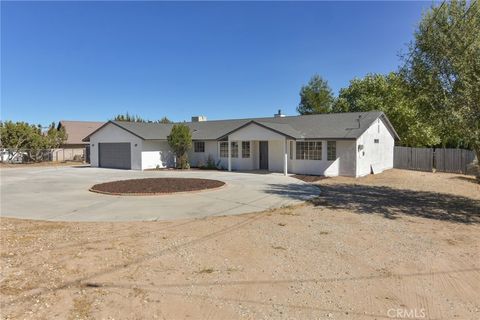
[114,155]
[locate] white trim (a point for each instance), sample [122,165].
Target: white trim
[229,154]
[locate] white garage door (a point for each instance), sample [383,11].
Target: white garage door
[114,155]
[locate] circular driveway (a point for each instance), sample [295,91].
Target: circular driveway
[61,194]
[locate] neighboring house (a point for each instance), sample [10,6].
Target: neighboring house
[350,144]
[74,147]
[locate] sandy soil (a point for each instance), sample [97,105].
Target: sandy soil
[345,256]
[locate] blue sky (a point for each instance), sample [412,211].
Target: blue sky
[92,60]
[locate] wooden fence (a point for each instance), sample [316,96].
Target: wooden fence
[453,160]
[427,159]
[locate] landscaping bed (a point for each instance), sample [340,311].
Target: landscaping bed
[152,186]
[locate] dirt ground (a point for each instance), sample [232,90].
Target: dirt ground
[401,244]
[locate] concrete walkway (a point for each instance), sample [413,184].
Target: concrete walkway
[61,194]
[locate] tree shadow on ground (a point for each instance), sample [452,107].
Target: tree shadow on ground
[295,191]
[388,202]
[467,179]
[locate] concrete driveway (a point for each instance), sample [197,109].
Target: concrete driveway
[61,194]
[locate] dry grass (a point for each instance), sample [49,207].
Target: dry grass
[206,270]
[82,307]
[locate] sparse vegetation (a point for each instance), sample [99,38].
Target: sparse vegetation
[206,270]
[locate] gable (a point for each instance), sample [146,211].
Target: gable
[112,131]
[255,131]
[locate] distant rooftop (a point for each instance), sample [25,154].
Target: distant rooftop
[77,130]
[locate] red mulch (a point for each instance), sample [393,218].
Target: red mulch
[156,185]
[309,178]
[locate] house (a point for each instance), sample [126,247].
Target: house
[349,144]
[74,147]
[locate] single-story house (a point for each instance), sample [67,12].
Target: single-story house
[74,147]
[349,144]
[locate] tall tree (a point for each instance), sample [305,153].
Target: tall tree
[134,118]
[390,94]
[128,117]
[315,97]
[180,140]
[443,70]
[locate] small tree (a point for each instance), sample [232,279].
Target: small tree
[180,140]
[316,97]
[28,138]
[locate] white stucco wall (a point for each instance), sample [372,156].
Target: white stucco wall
[343,165]
[197,159]
[112,133]
[239,163]
[379,154]
[255,132]
[157,153]
[275,155]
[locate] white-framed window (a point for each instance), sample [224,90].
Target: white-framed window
[234,149]
[245,149]
[376,141]
[291,150]
[331,150]
[309,150]
[199,146]
[224,149]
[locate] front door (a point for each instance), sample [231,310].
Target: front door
[263,155]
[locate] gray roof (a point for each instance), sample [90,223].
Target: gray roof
[318,126]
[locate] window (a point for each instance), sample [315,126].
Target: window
[199,146]
[331,150]
[376,141]
[311,150]
[224,149]
[291,150]
[234,149]
[245,149]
